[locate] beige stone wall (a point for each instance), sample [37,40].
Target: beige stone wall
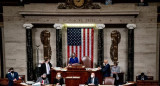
[146,42]
[145,35]
[14,40]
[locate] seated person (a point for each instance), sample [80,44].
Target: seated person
[43,79]
[142,77]
[8,73]
[73,59]
[58,80]
[93,80]
[114,72]
[12,77]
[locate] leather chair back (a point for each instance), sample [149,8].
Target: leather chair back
[86,61]
[109,81]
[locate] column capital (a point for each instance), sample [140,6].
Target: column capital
[131,26]
[28,26]
[100,26]
[58,26]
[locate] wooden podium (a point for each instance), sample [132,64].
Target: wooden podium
[75,75]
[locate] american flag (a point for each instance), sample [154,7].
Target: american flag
[81,42]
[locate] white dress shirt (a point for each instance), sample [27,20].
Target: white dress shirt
[47,68]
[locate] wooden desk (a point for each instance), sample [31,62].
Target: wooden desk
[147,83]
[83,74]
[18,84]
[72,80]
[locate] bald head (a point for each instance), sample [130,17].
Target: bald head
[106,61]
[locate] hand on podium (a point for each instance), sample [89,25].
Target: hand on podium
[99,68]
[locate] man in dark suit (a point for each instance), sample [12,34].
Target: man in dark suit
[46,67]
[12,77]
[92,80]
[106,69]
[142,77]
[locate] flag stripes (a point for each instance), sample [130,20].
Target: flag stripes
[81,42]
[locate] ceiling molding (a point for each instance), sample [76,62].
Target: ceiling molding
[100,13]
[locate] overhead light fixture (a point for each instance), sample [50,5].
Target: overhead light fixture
[79,25]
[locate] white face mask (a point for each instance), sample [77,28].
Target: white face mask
[59,75]
[92,76]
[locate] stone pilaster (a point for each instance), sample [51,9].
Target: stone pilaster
[29,46]
[131,28]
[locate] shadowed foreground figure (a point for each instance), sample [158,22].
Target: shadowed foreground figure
[12,77]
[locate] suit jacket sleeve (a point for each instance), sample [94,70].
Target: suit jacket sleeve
[43,68]
[50,64]
[16,75]
[10,77]
[146,78]
[139,77]
[105,68]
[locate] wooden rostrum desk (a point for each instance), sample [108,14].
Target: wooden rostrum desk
[76,75]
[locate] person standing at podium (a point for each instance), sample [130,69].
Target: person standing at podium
[46,67]
[73,59]
[105,69]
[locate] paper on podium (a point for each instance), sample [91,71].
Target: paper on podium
[57,68]
[37,84]
[63,69]
[94,69]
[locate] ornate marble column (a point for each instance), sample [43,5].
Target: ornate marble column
[59,44]
[131,28]
[29,48]
[1,55]
[100,44]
